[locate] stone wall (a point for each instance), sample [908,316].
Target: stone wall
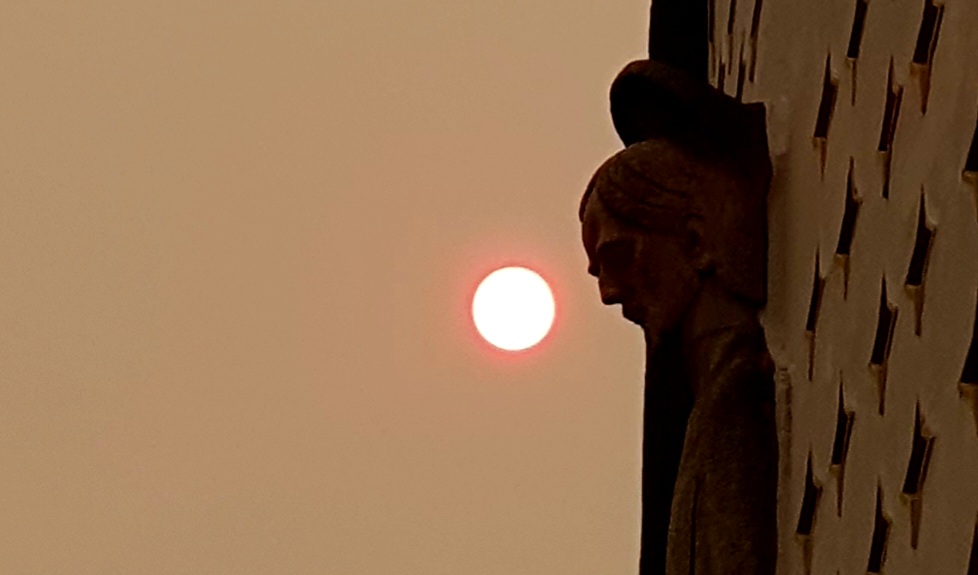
[873,272]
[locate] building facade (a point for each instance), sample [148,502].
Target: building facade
[872,274]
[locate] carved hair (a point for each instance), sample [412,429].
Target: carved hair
[657,185]
[631,191]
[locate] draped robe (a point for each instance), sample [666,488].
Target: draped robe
[710,453]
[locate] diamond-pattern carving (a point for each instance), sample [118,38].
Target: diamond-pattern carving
[883,342]
[917,273]
[923,54]
[971,162]
[970,172]
[881,534]
[843,248]
[755,27]
[856,34]
[919,456]
[913,483]
[855,40]
[806,518]
[844,420]
[865,237]
[826,107]
[891,113]
[969,373]
[818,287]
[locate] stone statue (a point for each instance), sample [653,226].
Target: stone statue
[674,229]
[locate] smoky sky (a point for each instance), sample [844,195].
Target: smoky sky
[238,243]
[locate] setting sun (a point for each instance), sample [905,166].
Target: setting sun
[513,308]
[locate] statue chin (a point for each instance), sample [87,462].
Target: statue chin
[633,314]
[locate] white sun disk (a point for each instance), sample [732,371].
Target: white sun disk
[513,308]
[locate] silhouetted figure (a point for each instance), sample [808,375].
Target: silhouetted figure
[674,229]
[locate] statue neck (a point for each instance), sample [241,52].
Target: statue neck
[713,320]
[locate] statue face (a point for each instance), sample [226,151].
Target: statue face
[651,275]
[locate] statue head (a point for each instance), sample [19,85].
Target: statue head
[660,218]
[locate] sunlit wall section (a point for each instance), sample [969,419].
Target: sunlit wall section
[873,272]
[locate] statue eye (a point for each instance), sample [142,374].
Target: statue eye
[614,255]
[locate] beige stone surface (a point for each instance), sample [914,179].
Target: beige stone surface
[795,41]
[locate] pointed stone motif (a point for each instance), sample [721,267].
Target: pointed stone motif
[826,106]
[818,287]
[923,54]
[968,387]
[917,272]
[970,171]
[843,249]
[882,344]
[806,518]
[844,420]
[881,533]
[755,26]
[891,113]
[855,40]
[913,484]
[741,74]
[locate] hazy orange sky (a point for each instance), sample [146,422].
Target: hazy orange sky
[238,242]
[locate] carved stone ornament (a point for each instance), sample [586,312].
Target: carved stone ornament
[674,227]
